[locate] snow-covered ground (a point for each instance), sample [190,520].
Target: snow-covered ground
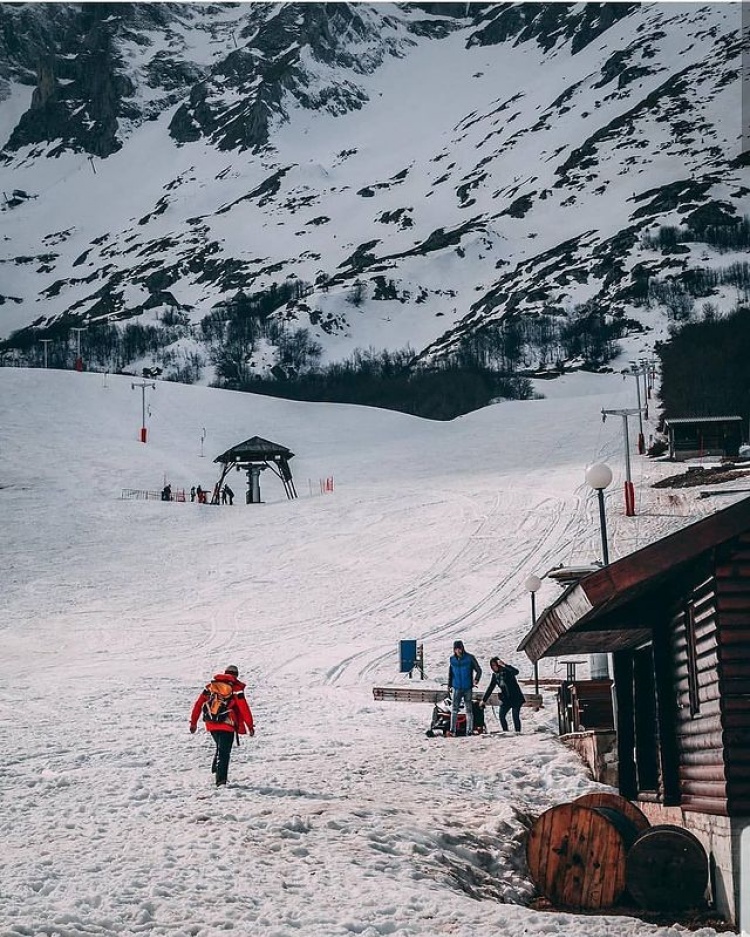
[341,817]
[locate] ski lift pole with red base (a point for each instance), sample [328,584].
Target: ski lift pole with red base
[629,490]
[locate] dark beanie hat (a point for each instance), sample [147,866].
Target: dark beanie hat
[458,645]
[232,669]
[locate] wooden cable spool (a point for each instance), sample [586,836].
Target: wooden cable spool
[667,869]
[576,854]
[615,802]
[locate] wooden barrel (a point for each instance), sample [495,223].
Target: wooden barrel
[616,802]
[667,869]
[576,855]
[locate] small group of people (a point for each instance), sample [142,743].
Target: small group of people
[227,715]
[464,674]
[201,495]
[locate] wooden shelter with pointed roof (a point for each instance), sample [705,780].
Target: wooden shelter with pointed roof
[675,616]
[253,456]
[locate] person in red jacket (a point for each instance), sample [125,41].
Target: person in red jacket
[226,713]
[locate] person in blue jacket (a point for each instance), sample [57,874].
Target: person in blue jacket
[510,693]
[462,680]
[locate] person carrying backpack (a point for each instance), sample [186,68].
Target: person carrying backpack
[226,714]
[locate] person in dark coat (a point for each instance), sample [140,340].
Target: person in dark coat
[464,673]
[510,693]
[238,720]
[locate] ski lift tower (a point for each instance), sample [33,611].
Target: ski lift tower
[254,456]
[629,490]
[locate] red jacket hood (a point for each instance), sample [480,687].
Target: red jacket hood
[230,678]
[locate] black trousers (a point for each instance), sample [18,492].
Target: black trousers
[220,767]
[515,710]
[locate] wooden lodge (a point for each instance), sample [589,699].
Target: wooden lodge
[675,616]
[695,437]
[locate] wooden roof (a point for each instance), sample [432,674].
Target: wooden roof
[678,420]
[255,449]
[608,610]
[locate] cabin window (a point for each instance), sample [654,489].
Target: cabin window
[692,660]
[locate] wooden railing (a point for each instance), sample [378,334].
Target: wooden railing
[398,694]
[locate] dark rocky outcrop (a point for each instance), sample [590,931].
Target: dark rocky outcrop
[78,97]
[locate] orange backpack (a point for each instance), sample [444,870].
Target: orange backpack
[217,707]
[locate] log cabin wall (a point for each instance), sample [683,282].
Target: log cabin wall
[733,603]
[698,713]
[710,636]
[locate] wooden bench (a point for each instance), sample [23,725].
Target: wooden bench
[398,694]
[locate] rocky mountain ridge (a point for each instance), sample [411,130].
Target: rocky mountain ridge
[432,175]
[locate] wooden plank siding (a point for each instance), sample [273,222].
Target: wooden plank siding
[675,615]
[698,712]
[733,607]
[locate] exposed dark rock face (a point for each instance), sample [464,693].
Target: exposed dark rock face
[549,23]
[508,206]
[270,67]
[78,96]
[83,114]
[30,31]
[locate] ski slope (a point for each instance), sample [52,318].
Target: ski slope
[341,817]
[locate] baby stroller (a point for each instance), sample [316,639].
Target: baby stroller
[441,719]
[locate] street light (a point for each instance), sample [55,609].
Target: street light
[598,477]
[142,388]
[533,584]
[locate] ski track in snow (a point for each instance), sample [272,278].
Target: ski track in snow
[533,546]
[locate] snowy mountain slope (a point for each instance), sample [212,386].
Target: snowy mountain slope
[341,817]
[417,172]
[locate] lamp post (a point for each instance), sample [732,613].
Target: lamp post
[533,584]
[142,388]
[598,477]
